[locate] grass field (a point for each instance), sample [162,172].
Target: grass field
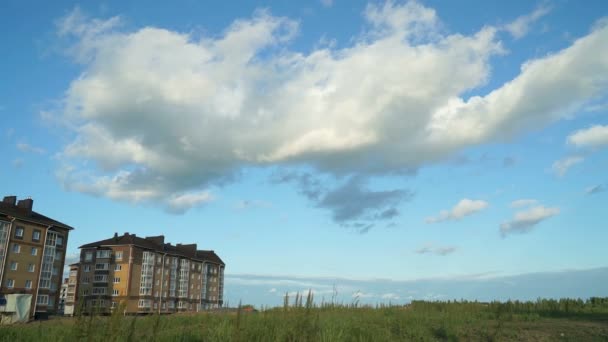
[543,320]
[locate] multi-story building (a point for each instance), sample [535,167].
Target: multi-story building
[144,275]
[72,291]
[32,254]
[63,293]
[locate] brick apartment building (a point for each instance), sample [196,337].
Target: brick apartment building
[32,254]
[147,275]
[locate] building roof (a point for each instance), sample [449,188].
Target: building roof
[9,210]
[156,243]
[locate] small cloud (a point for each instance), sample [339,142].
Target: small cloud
[520,203]
[179,204]
[509,161]
[327,3]
[390,295]
[595,136]
[24,147]
[464,207]
[272,290]
[562,166]
[17,163]
[440,251]
[252,204]
[595,189]
[520,26]
[525,221]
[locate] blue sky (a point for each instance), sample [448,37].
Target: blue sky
[342,139]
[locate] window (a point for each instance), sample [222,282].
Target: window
[43,299]
[116,280]
[100,279]
[28,284]
[144,303]
[85,292]
[87,268]
[14,265]
[118,255]
[99,290]
[10,283]
[115,292]
[102,267]
[157,282]
[58,255]
[16,248]
[114,304]
[31,268]
[118,267]
[55,271]
[59,241]
[36,235]
[19,232]
[85,280]
[104,254]
[34,251]
[88,256]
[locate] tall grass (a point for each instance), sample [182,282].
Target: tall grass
[300,319]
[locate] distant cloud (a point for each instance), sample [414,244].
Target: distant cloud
[351,203]
[523,203]
[562,166]
[17,163]
[179,204]
[525,221]
[24,147]
[509,161]
[441,251]
[327,3]
[464,207]
[520,26]
[595,189]
[251,204]
[595,136]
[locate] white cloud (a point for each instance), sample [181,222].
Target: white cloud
[441,251]
[162,113]
[182,203]
[562,166]
[525,221]
[24,147]
[595,136]
[327,3]
[523,203]
[390,295]
[464,207]
[520,26]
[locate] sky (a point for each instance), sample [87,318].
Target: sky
[349,141]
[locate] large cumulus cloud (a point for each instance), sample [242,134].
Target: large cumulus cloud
[164,114]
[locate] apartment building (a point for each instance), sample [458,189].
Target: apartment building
[32,254]
[71,291]
[147,275]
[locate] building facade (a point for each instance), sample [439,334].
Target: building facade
[32,254]
[146,275]
[72,291]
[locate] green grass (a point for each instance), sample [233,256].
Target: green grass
[543,320]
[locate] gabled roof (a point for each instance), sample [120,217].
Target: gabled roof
[152,243]
[9,210]
[127,239]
